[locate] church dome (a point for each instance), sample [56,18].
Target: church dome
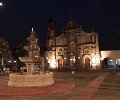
[71,25]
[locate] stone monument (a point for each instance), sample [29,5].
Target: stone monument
[33,62]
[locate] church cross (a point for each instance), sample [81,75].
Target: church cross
[72,15]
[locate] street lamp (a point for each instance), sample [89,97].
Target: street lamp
[14,61]
[9,61]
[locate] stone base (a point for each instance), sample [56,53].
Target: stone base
[17,80]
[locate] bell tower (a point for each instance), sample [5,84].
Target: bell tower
[50,34]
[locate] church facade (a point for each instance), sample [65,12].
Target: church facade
[74,48]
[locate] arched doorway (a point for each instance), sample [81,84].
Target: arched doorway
[118,63]
[60,62]
[72,61]
[107,63]
[87,63]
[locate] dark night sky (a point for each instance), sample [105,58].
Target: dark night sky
[17,17]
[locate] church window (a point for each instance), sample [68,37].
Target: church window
[59,53]
[93,38]
[71,35]
[87,50]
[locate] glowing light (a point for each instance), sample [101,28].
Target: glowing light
[48,60]
[52,62]
[111,60]
[9,61]
[0,4]
[94,64]
[4,69]
[94,60]
[64,58]
[101,58]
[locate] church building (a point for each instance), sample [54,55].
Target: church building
[74,48]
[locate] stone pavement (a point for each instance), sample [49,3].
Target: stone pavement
[59,86]
[87,92]
[81,86]
[109,89]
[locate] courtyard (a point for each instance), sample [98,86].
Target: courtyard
[83,89]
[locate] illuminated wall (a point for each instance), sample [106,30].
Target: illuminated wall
[114,55]
[72,47]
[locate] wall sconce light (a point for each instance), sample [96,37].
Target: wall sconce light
[14,61]
[9,61]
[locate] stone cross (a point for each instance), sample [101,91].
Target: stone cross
[72,15]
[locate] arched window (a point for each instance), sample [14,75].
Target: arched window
[60,52]
[93,38]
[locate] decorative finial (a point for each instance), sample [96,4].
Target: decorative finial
[71,15]
[32,29]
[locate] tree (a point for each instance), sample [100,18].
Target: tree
[4,48]
[20,51]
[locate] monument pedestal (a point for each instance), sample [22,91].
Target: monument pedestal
[30,69]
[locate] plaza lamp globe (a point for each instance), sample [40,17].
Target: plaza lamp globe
[0,4]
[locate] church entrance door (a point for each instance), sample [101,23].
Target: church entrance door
[87,63]
[60,62]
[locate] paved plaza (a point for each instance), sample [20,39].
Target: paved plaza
[84,85]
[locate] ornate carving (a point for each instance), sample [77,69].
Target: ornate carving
[93,54]
[86,50]
[72,47]
[71,35]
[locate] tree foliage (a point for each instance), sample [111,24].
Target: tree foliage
[20,51]
[4,48]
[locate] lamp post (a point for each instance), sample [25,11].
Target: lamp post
[15,63]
